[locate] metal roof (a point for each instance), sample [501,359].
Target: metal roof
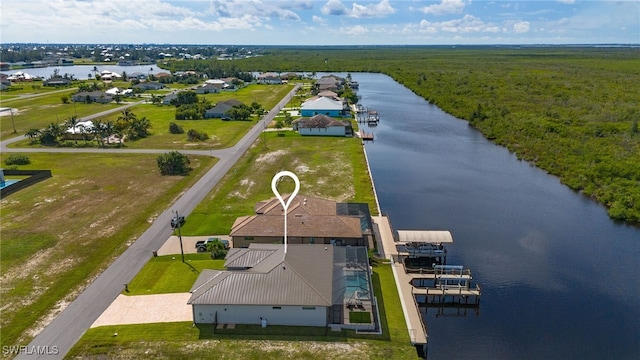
[425,236]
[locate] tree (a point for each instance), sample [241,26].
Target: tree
[32,134]
[185,97]
[95,72]
[139,128]
[279,125]
[217,249]
[173,163]
[50,134]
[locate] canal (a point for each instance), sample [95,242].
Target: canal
[560,279]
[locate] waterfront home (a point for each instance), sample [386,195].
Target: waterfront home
[269,78]
[308,285]
[322,125]
[324,105]
[310,220]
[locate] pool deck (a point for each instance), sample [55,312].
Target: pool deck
[417,330]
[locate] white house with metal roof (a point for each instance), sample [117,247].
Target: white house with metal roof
[309,285]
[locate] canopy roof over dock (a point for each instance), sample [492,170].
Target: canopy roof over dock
[425,236]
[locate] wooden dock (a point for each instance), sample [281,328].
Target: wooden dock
[366,136]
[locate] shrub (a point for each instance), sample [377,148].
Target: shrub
[17,159]
[173,163]
[175,128]
[195,135]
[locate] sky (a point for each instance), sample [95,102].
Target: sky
[320,22]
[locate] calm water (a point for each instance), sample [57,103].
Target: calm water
[560,280]
[84,72]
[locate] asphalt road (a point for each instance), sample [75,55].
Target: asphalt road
[55,341]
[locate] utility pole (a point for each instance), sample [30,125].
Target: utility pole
[179,224]
[13,123]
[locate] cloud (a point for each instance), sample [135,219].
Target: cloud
[446,7]
[354,30]
[464,25]
[318,19]
[336,7]
[521,27]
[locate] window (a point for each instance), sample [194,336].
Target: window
[308,308]
[248,237]
[277,307]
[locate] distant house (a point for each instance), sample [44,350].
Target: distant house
[310,221]
[208,89]
[322,125]
[269,78]
[152,85]
[308,285]
[329,82]
[167,99]
[136,75]
[57,81]
[92,96]
[324,105]
[219,111]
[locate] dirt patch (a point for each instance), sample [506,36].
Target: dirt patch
[270,157]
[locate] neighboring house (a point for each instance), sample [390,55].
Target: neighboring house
[322,125]
[92,96]
[330,82]
[57,81]
[152,85]
[310,221]
[324,105]
[208,89]
[219,111]
[167,99]
[309,285]
[136,75]
[116,91]
[269,78]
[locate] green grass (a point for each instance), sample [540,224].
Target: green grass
[360,317]
[168,274]
[59,232]
[182,339]
[328,167]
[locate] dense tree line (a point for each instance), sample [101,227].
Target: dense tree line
[570,111]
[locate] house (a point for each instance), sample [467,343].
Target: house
[269,78]
[57,81]
[310,220]
[324,105]
[329,82]
[92,96]
[308,285]
[167,99]
[151,85]
[221,108]
[322,125]
[208,89]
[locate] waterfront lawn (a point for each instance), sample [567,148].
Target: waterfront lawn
[328,167]
[168,274]
[182,339]
[61,232]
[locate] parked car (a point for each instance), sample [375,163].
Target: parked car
[177,221]
[201,245]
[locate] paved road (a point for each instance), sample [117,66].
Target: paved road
[71,324]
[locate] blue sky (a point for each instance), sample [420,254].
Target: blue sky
[320,22]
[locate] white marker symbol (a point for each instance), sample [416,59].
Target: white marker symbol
[285,205]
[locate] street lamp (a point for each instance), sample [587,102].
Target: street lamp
[178,223]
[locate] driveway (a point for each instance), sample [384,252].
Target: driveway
[146,309]
[172,245]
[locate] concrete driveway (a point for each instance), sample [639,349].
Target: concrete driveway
[172,245]
[146,309]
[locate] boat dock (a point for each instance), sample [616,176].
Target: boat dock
[365,136]
[435,283]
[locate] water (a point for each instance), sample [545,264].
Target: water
[560,280]
[84,72]
[7,182]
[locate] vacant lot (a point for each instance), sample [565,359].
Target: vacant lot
[60,233]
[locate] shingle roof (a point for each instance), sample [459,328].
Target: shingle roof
[307,217]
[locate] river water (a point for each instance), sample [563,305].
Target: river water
[560,280]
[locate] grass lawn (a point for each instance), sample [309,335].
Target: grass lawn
[63,231]
[168,274]
[328,167]
[183,340]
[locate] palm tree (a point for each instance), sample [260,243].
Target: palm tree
[95,72]
[32,134]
